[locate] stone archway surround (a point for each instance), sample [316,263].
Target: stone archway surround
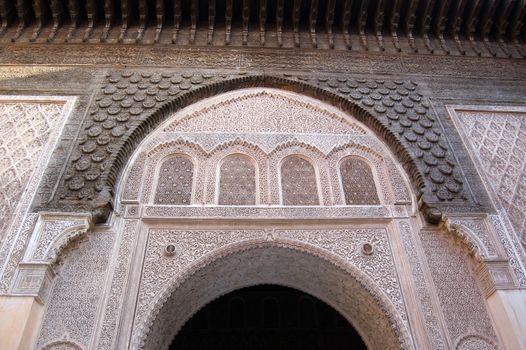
[293,263]
[364,288]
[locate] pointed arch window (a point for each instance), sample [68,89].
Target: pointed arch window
[358,182]
[174,185]
[237,180]
[298,182]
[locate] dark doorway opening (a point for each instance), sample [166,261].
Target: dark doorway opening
[267,317]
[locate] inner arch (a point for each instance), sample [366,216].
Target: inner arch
[291,264]
[267,317]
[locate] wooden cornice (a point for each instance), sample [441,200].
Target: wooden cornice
[456,27]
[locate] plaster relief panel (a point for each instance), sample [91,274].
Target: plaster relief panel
[460,297]
[358,182]
[237,181]
[190,248]
[77,293]
[28,131]
[264,111]
[174,182]
[498,142]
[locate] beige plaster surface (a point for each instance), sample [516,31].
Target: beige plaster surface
[19,322]
[508,309]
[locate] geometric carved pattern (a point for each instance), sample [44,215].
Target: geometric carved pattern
[461,299]
[131,98]
[298,182]
[499,141]
[174,185]
[358,182]
[192,279]
[24,131]
[77,293]
[237,185]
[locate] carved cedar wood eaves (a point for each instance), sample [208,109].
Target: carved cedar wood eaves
[132,103]
[443,27]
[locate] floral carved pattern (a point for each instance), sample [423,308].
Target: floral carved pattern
[460,298]
[160,271]
[77,292]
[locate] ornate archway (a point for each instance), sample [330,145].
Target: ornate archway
[288,262]
[263,186]
[295,153]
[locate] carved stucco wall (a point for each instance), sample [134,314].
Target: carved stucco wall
[130,103]
[497,140]
[76,296]
[276,135]
[298,258]
[461,300]
[104,312]
[27,130]
[30,127]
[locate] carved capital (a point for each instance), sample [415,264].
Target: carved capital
[33,279]
[53,233]
[475,233]
[495,275]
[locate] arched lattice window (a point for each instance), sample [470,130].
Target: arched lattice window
[237,180]
[358,182]
[174,185]
[298,182]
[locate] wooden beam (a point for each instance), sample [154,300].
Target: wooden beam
[143,18]
[246,17]
[39,10]
[410,23]
[125,16]
[228,21]
[516,25]
[279,21]
[73,8]
[159,14]
[211,20]
[194,17]
[503,21]
[379,23]
[472,20]
[5,12]
[177,20]
[346,20]
[426,23]
[456,22]
[262,20]
[440,24]
[394,21]
[313,21]
[21,12]
[91,13]
[486,23]
[296,13]
[361,22]
[56,12]
[109,11]
[329,21]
